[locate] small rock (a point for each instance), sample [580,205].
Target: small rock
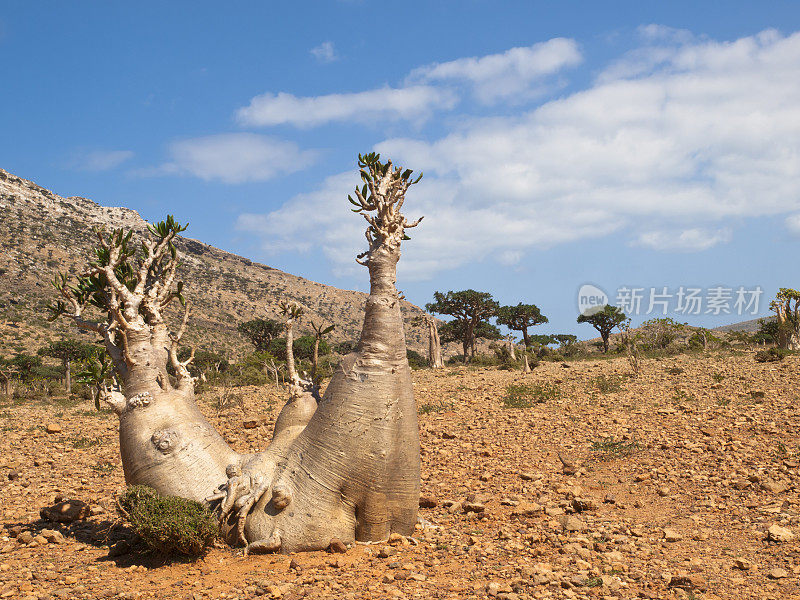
[66,511]
[386,551]
[475,507]
[52,536]
[742,564]
[663,491]
[610,499]
[526,476]
[70,580]
[776,533]
[773,487]
[688,583]
[526,509]
[337,546]
[25,537]
[428,502]
[671,535]
[396,539]
[583,504]
[778,573]
[13,475]
[53,428]
[294,565]
[570,523]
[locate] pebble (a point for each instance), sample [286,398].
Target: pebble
[670,535]
[776,533]
[53,428]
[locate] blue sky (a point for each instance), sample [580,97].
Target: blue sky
[626,144]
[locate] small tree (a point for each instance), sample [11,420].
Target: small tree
[293,313]
[565,339]
[520,318]
[25,366]
[6,375]
[787,308]
[604,321]
[319,332]
[470,309]
[67,351]
[97,371]
[456,331]
[260,332]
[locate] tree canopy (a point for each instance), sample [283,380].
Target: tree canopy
[469,308]
[605,320]
[520,317]
[260,332]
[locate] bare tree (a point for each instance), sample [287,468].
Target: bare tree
[347,467]
[319,332]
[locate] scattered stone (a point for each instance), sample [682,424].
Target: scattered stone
[526,476]
[53,428]
[386,551]
[778,573]
[13,475]
[776,533]
[337,546]
[66,511]
[52,536]
[427,502]
[474,507]
[526,509]
[396,539]
[570,523]
[689,583]
[773,487]
[26,537]
[670,535]
[742,564]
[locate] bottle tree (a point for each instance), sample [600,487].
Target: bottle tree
[347,468]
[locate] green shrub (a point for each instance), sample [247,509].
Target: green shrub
[484,360]
[416,360]
[168,524]
[607,384]
[525,395]
[771,355]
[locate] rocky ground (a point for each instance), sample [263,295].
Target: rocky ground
[680,483]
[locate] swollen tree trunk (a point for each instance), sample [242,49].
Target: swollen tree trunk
[526,367]
[67,377]
[511,352]
[434,344]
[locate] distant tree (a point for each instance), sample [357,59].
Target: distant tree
[345,347]
[97,372]
[293,313]
[767,331]
[205,361]
[6,375]
[787,309]
[260,332]
[604,321]
[25,366]
[455,331]
[319,332]
[541,339]
[520,318]
[68,351]
[565,339]
[470,309]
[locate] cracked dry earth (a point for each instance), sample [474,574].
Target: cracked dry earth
[681,483]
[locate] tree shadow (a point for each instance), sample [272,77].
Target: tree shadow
[125,548]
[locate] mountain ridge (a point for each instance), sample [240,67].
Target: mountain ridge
[43,234]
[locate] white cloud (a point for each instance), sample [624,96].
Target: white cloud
[234,158]
[100,160]
[688,240]
[516,74]
[670,155]
[324,53]
[793,223]
[414,103]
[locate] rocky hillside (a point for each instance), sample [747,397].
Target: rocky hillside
[42,234]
